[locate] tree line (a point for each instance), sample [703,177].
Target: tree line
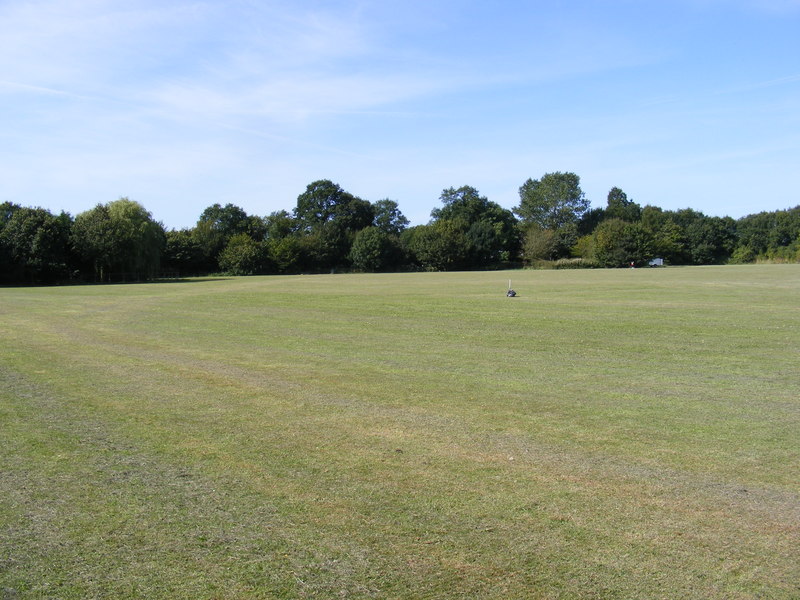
[331,229]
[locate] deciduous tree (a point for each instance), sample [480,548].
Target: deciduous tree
[540,244]
[119,239]
[374,250]
[183,253]
[620,207]
[489,229]
[330,217]
[37,245]
[243,255]
[553,201]
[94,242]
[439,246]
[388,217]
[218,224]
[617,243]
[325,201]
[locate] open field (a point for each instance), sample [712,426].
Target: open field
[606,434]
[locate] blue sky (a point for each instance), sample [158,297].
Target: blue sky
[182,104]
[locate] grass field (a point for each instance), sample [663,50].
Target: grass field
[606,434]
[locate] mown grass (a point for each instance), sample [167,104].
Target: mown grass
[606,434]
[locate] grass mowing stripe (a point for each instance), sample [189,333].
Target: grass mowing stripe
[90,514]
[418,435]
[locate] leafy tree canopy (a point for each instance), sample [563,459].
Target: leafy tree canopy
[325,201]
[374,250]
[618,243]
[388,217]
[552,201]
[35,243]
[218,224]
[120,237]
[278,225]
[490,229]
[228,220]
[620,207]
[243,256]
[183,252]
[439,246]
[7,210]
[331,228]
[330,218]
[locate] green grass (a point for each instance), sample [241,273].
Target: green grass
[606,434]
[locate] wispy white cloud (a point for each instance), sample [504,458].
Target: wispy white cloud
[759,85]
[204,59]
[70,44]
[14,86]
[275,60]
[153,96]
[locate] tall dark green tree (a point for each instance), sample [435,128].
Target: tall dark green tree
[285,247]
[489,229]
[329,217]
[279,224]
[668,235]
[7,210]
[243,255]
[94,242]
[712,240]
[325,201]
[317,204]
[183,253]
[553,201]
[589,220]
[36,244]
[620,207]
[388,217]
[439,246]
[119,240]
[689,237]
[218,224]
[375,250]
[770,235]
[141,239]
[288,254]
[618,243]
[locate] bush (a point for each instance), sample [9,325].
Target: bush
[242,256]
[374,250]
[742,255]
[575,263]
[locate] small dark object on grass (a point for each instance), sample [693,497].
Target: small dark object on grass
[511,293]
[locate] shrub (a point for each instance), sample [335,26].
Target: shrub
[575,263]
[242,256]
[742,255]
